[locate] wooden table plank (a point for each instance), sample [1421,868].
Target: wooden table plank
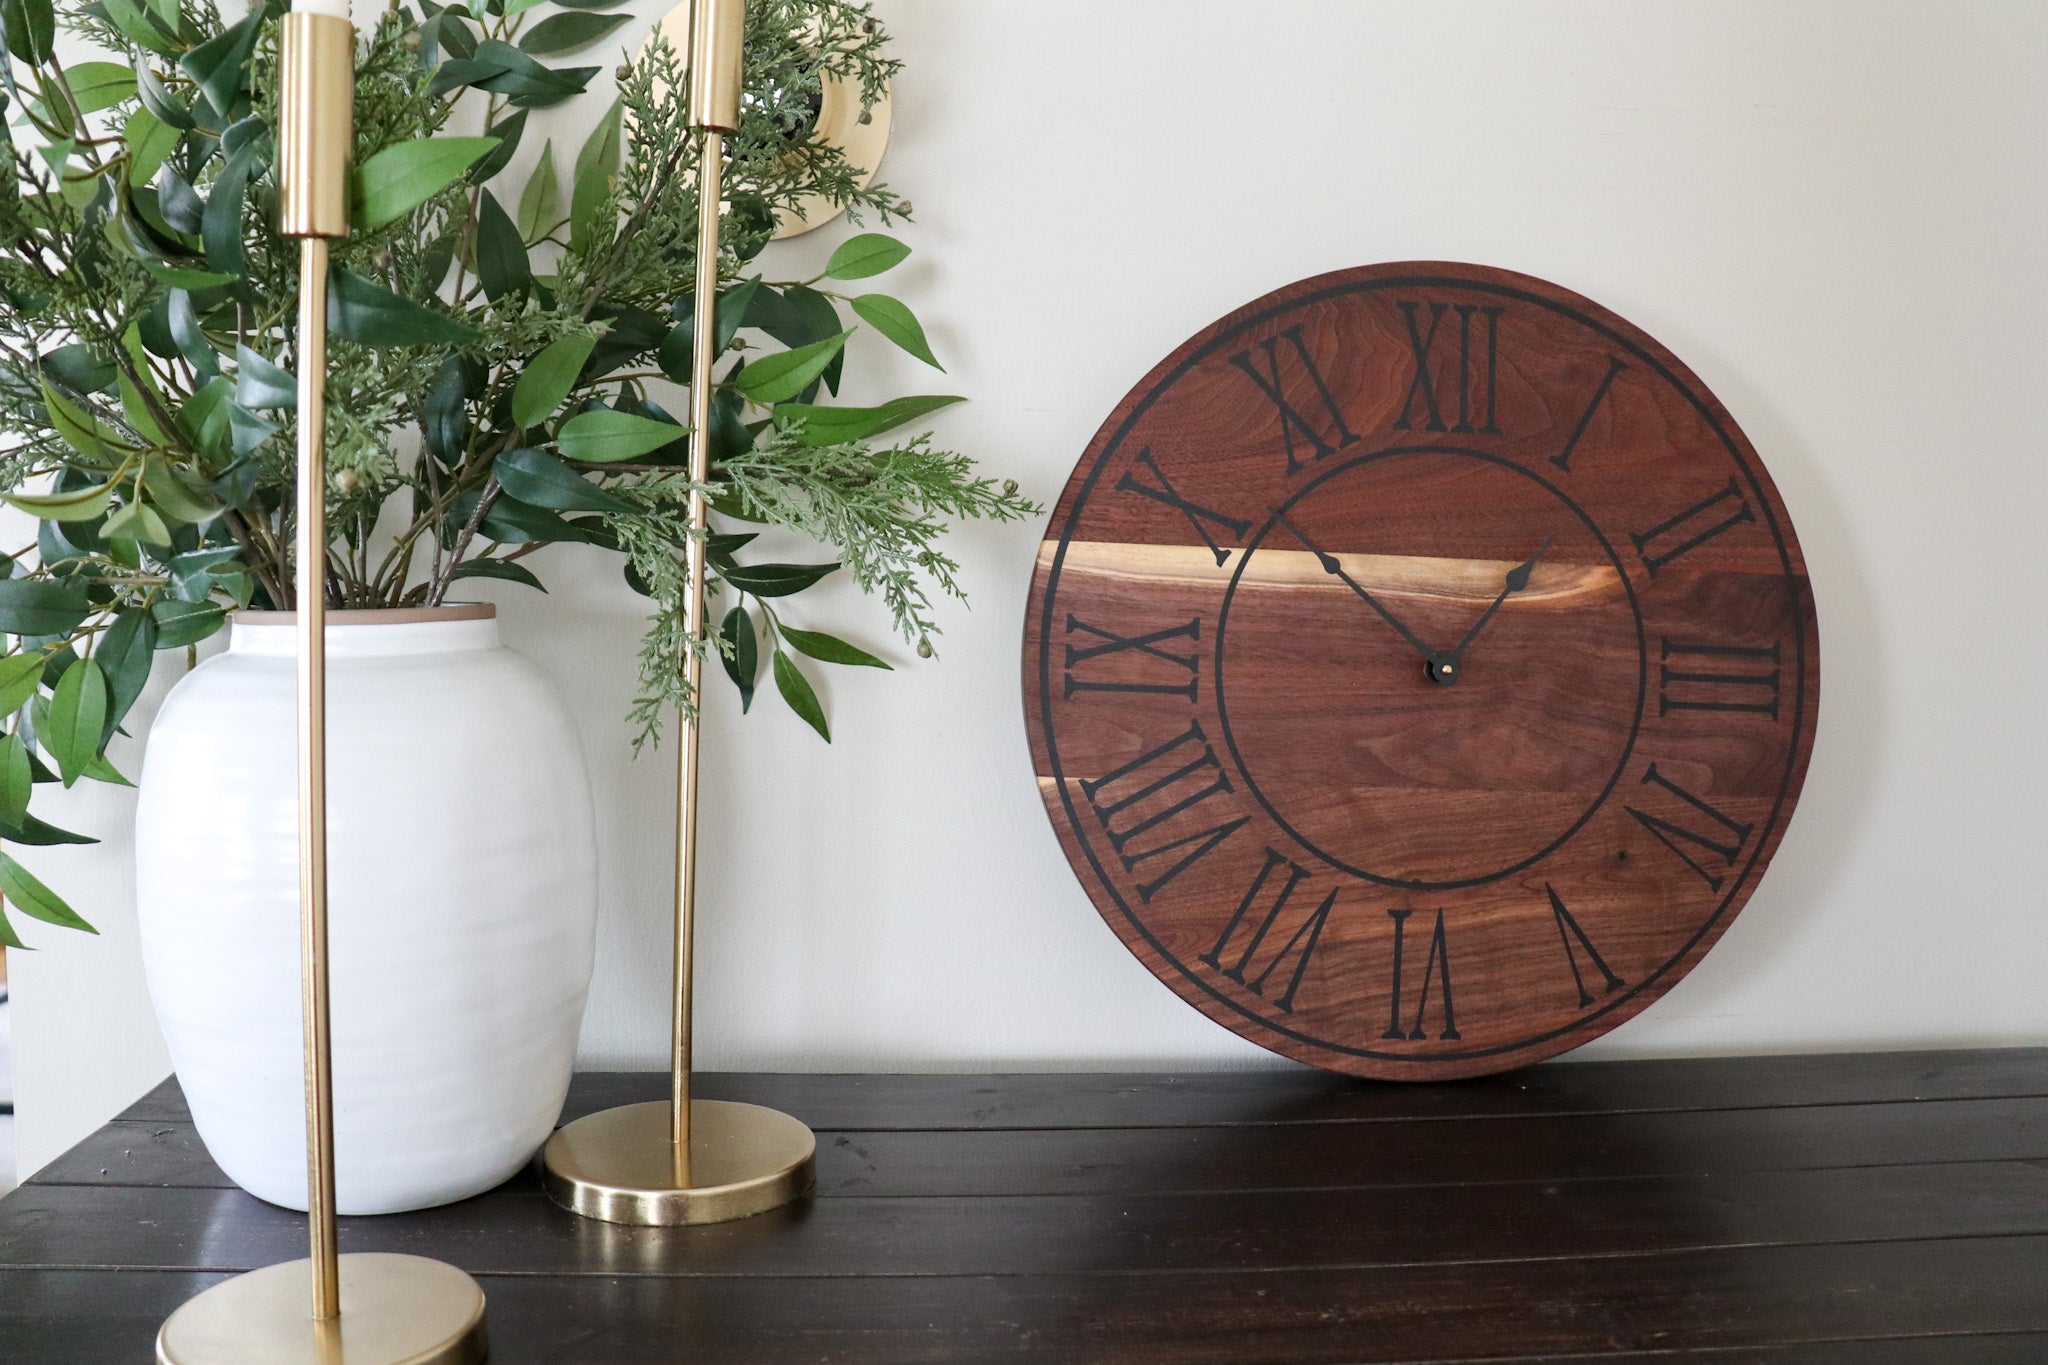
[1289,1156]
[522,1233]
[848,1103]
[1783,1304]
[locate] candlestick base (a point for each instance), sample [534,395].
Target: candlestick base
[619,1165]
[395,1310]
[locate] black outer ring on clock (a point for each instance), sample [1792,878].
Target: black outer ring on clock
[1635,607]
[1247,320]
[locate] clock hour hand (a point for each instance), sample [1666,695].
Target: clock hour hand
[1517,579]
[1336,570]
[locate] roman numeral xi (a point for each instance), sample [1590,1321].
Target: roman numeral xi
[1322,434]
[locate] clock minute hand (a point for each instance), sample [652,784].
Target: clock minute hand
[1336,570]
[1517,580]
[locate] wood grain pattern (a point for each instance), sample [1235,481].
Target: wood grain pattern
[1420,670]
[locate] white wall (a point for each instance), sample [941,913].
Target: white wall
[1833,211]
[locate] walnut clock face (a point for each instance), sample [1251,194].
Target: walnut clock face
[1420,669]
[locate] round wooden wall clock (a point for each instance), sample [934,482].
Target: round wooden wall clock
[1420,670]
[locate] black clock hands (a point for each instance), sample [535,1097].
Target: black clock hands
[1430,657]
[1517,579]
[1441,668]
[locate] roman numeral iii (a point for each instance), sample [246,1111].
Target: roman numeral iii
[1300,945]
[1323,434]
[1199,517]
[1703,677]
[1134,801]
[1567,930]
[1720,838]
[1476,394]
[1692,528]
[1436,976]
[1181,679]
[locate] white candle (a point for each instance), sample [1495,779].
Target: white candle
[337,8]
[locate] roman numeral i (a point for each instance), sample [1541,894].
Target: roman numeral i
[1475,396]
[1135,800]
[1322,437]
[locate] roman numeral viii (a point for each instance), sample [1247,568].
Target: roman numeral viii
[1692,528]
[1436,975]
[1160,489]
[1181,680]
[1567,930]
[1701,677]
[1475,395]
[1133,803]
[1317,434]
[1300,945]
[1720,837]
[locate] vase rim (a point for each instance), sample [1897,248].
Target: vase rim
[375,616]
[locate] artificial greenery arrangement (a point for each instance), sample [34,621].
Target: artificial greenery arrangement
[499,348]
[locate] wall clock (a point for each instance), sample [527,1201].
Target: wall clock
[1420,670]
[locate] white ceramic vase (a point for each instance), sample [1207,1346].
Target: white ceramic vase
[462,904]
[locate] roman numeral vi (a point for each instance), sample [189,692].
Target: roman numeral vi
[1436,975]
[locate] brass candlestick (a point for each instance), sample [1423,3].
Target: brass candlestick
[689,1160]
[329,1309]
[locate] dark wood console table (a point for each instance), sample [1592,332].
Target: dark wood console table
[1866,1208]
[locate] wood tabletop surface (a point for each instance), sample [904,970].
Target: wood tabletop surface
[1850,1208]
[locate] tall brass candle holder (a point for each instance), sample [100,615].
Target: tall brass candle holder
[689,1160]
[330,1309]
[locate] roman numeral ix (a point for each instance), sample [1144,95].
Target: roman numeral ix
[1711,843]
[1150,645]
[1436,975]
[1693,527]
[1292,420]
[1701,677]
[1423,384]
[1567,930]
[1199,517]
[1301,945]
[1133,801]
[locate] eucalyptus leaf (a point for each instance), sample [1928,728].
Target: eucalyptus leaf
[150,142]
[221,228]
[796,690]
[829,426]
[99,85]
[776,580]
[17,779]
[540,203]
[126,652]
[591,184]
[81,504]
[498,568]
[362,310]
[217,66]
[35,900]
[830,648]
[506,132]
[559,33]
[186,623]
[261,384]
[501,264]
[20,676]
[539,479]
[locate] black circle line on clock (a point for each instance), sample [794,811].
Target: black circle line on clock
[1229,331]
[1229,734]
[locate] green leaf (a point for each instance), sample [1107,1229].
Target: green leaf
[80,504]
[547,379]
[150,142]
[405,175]
[177,495]
[78,716]
[20,677]
[539,479]
[504,70]
[830,648]
[261,384]
[498,568]
[560,33]
[42,606]
[155,98]
[221,230]
[501,263]
[775,580]
[194,575]
[506,133]
[741,655]
[364,311]
[826,426]
[139,28]
[17,779]
[135,406]
[773,378]
[31,28]
[100,85]
[186,623]
[127,651]
[81,430]
[38,832]
[139,522]
[602,436]
[35,900]
[896,322]
[540,203]
[869,253]
[218,65]
[796,690]
[591,184]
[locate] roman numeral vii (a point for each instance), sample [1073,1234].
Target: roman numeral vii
[1300,945]
[1134,802]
